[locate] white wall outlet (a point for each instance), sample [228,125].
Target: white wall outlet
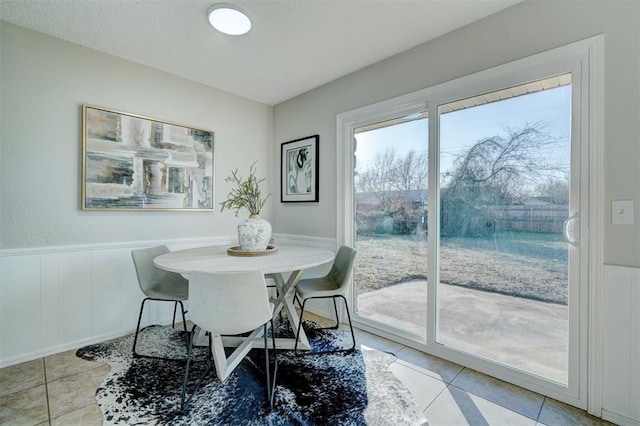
[622,212]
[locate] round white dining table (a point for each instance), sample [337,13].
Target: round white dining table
[289,258]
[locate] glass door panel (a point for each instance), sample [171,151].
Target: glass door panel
[391,216]
[504,192]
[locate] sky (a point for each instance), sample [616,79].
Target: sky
[459,130]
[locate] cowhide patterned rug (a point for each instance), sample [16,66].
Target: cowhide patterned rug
[338,389]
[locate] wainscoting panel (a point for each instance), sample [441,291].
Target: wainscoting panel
[74,298]
[60,298]
[21,305]
[54,299]
[49,292]
[621,340]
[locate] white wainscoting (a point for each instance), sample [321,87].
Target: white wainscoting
[621,340]
[58,298]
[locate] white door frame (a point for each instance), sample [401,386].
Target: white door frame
[589,58]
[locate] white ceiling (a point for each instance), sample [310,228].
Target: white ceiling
[294,46]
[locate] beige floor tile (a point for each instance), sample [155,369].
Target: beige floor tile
[375,342]
[21,376]
[456,407]
[555,413]
[27,407]
[425,389]
[432,365]
[75,392]
[66,364]
[505,394]
[87,416]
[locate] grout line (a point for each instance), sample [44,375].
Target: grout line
[456,376]
[544,401]
[446,387]
[46,389]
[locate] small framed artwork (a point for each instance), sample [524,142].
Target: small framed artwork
[300,170]
[131,162]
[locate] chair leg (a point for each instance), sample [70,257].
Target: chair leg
[135,340]
[295,346]
[184,401]
[267,367]
[335,308]
[353,338]
[184,322]
[175,309]
[271,378]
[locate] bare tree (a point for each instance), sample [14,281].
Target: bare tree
[412,171]
[556,189]
[494,171]
[391,175]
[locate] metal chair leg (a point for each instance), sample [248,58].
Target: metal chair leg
[353,338]
[271,380]
[175,308]
[295,346]
[184,324]
[267,366]
[135,340]
[184,401]
[335,308]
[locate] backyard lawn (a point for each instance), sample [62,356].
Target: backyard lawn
[521,264]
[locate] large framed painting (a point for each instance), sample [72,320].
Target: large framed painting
[300,165]
[131,162]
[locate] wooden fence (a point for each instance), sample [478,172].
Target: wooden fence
[532,218]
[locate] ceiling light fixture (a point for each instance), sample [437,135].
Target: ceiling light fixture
[229,19]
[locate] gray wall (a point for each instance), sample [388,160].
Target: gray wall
[522,30]
[44,82]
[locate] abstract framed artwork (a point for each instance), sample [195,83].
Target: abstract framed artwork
[300,165]
[131,162]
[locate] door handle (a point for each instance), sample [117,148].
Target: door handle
[569,230]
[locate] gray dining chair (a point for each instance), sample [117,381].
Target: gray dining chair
[229,304]
[158,285]
[332,286]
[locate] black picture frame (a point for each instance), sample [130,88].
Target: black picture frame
[300,170]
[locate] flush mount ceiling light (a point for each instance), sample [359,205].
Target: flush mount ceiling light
[229,19]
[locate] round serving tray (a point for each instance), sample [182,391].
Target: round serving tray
[236,251]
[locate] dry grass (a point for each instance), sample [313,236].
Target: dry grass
[524,265]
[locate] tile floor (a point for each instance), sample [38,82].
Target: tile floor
[60,390]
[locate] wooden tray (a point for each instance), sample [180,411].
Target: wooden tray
[236,251]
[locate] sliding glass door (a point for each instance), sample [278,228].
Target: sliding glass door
[468,203]
[504,197]
[390,185]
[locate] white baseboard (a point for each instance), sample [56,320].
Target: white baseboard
[618,419]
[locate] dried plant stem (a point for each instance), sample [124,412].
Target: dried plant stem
[246,194]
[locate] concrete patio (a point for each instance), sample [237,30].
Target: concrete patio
[522,333]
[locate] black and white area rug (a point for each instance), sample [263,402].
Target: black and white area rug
[353,388]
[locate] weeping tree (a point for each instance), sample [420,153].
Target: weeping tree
[497,170]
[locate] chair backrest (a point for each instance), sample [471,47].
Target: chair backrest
[150,277]
[228,303]
[343,266]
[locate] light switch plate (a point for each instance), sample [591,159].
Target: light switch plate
[622,212]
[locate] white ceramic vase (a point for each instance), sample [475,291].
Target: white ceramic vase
[254,233]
